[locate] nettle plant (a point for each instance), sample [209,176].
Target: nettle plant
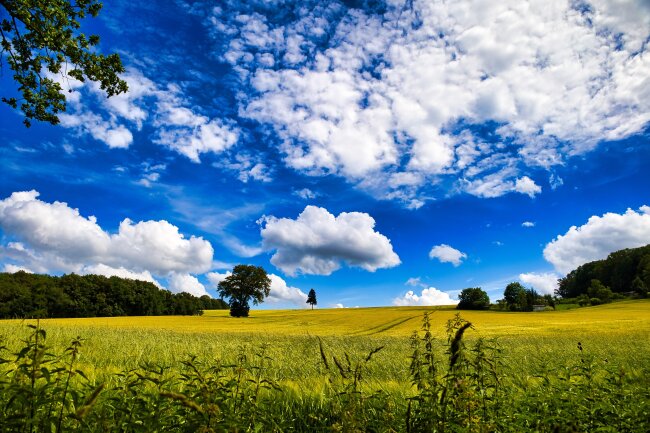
[459,393]
[42,391]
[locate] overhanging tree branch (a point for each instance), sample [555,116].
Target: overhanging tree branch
[45,34]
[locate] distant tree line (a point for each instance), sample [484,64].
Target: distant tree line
[515,298]
[518,298]
[24,295]
[623,271]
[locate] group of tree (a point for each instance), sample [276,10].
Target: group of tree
[625,271]
[473,298]
[597,294]
[515,298]
[518,298]
[24,295]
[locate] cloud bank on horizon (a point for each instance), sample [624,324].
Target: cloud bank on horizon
[53,238]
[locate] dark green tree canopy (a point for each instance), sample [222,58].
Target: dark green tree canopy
[24,295]
[618,272]
[514,294]
[519,298]
[41,39]
[245,283]
[473,298]
[311,298]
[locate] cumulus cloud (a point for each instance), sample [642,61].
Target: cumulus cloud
[340,305]
[528,224]
[388,99]
[186,283]
[430,296]
[12,269]
[598,237]
[447,254]
[55,237]
[318,242]
[526,185]
[160,247]
[216,277]
[107,271]
[544,283]
[281,292]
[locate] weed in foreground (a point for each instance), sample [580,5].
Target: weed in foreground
[456,386]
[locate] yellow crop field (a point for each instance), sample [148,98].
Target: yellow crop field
[554,359]
[620,317]
[115,343]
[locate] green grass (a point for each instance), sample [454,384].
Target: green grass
[112,344]
[537,348]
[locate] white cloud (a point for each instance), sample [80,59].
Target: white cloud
[599,237]
[526,185]
[415,282]
[305,194]
[114,135]
[340,305]
[381,99]
[177,127]
[545,283]
[430,296]
[216,277]
[528,224]
[12,269]
[107,271]
[159,247]
[281,292]
[499,183]
[248,168]
[148,179]
[55,237]
[186,283]
[318,242]
[447,254]
[52,227]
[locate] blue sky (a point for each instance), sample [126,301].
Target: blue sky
[382,153]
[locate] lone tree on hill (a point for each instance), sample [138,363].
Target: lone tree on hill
[311,298]
[245,283]
[41,40]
